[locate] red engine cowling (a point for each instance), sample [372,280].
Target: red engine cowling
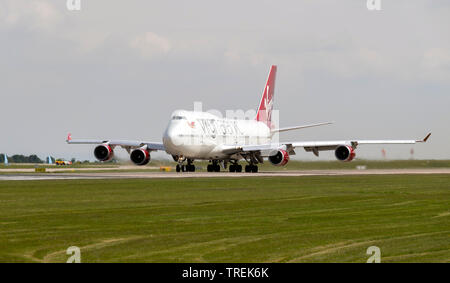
[279,159]
[140,156]
[345,153]
[103,152]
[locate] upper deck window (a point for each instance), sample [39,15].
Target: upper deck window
[178,118]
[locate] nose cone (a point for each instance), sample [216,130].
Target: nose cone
[171,138]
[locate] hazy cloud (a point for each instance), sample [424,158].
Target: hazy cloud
[377,74]
[34,15]
[436,62]
[151,45]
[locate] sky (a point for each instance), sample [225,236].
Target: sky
[117,69]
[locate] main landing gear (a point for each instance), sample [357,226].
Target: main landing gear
[251,168]
[213,167]
[190,167]
[235,167]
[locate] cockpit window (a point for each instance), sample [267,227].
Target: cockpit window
[178,118]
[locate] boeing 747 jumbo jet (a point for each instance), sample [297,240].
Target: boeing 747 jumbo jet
[192,135]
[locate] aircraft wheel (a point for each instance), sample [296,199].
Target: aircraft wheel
[217,168]
[178,169]
[254,169]
[248,169]
[190,168]
[238,168]
[233,168]
[209,168]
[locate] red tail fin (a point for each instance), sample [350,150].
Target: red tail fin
[265,106]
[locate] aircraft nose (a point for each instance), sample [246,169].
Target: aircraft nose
[171,137]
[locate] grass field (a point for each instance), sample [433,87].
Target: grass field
[290,219]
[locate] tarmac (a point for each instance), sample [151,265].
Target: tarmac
[153,175]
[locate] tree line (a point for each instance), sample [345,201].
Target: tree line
[19,158]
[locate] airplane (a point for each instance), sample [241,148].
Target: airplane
[195,135]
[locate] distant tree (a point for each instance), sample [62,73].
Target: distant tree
[34,159]
[19,158]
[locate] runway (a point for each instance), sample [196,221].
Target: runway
[152,175]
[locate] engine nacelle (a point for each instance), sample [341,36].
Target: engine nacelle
[140,156]
[103,152]
[345,153]
[279,159]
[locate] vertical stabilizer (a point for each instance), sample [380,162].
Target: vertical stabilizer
[264,113]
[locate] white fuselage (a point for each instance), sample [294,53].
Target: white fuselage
[201,135]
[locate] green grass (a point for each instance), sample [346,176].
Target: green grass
[292,165]
[299,219]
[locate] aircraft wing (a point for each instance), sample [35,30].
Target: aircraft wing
[314,146]
[127,144]
[299,127]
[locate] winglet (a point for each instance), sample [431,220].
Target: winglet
[69,137]
[426,138]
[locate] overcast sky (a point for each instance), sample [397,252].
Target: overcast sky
[117,69]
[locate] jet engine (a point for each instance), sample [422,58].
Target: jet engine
[345,153]
[103,152]
[281,158]
[140,156]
